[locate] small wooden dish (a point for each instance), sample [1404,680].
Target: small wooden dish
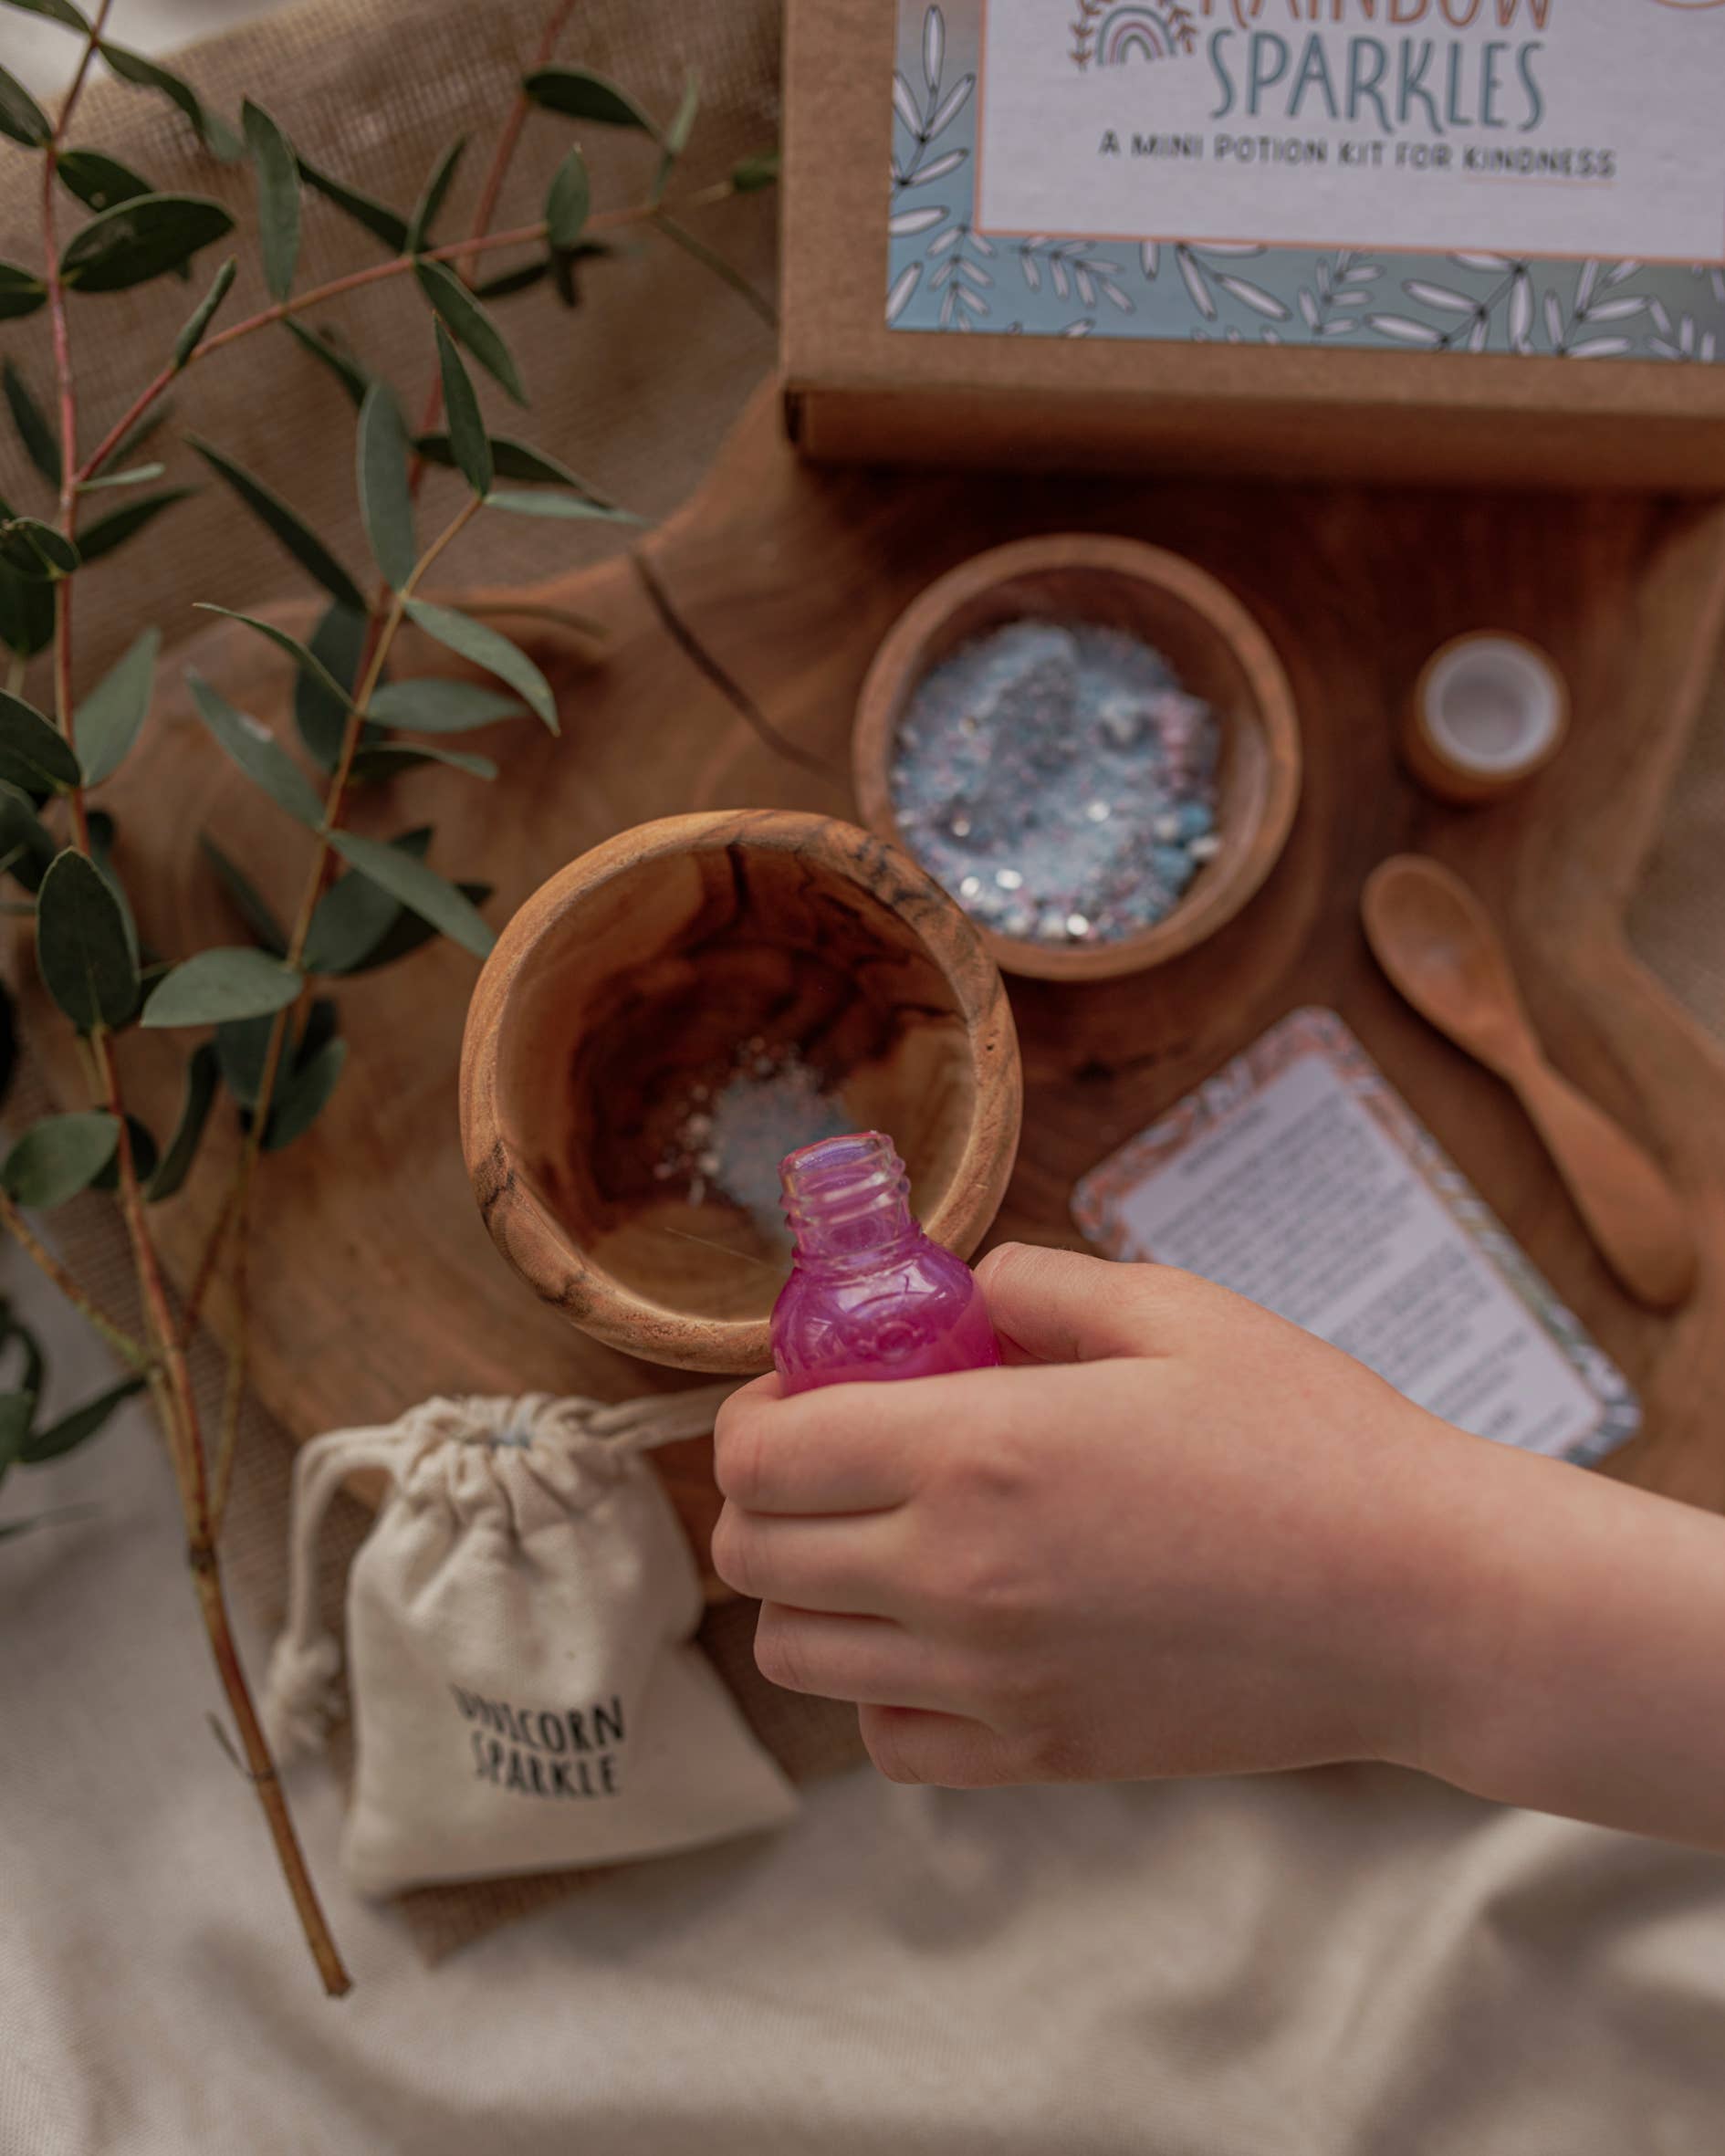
[635,974]
[1216,649]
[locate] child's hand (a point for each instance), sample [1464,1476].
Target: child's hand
[1194,1539]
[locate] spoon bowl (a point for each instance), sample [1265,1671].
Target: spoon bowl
[1441,948]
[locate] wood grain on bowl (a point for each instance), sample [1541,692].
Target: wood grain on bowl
[633,975]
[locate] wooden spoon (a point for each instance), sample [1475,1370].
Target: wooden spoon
[1439,947]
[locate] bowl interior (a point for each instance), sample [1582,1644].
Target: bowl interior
[1216,652]
[647,986]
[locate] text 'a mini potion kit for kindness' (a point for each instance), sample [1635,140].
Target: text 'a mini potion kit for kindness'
[1445,240]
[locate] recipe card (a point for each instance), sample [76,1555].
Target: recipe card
[1297,1177]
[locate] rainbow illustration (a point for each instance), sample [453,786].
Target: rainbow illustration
[1152,33]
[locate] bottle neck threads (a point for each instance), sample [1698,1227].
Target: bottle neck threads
[846,1200]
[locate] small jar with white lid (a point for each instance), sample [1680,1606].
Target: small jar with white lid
[1488,711]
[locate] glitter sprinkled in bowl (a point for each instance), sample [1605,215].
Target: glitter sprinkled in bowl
[1058,781]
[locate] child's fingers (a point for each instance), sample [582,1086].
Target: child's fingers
[948,1751]
[1059,1306]
[815,1452]
[842,1565]
[849,1657]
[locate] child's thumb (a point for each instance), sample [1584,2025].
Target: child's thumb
[1059,1306]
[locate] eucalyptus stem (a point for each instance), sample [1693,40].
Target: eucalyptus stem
[381,636]
[521,235]
[122,1342]
[170,1374]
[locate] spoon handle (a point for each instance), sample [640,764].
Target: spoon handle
[1631,1211]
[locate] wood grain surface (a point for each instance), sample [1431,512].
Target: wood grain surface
[758,609]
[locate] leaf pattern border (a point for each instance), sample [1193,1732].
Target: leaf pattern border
[942,275]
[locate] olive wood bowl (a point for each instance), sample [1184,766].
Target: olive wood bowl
[633,975]
[1216,650]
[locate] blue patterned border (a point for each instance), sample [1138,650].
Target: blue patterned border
[945,274]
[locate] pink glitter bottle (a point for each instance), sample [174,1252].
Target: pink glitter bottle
[869,1296]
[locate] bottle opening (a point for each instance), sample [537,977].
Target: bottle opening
[846,1197]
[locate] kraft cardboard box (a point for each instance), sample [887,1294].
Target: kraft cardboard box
[1477,240]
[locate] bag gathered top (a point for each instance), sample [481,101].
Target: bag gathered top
[525,1690]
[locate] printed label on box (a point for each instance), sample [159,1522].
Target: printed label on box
[1298,1178]
[1543,177]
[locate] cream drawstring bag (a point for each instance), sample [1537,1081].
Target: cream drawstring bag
[525,1691]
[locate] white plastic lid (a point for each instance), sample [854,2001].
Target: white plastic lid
[1493,705]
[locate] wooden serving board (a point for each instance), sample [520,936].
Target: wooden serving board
[375,1282]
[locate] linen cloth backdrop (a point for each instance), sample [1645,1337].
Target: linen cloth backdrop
[1340,1961]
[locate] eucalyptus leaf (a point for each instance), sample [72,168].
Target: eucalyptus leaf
[57,11]
[118,526]
[98,180]
[419,225]
[102,835]
[140,474]
[257,753]
[140,239]
[575,509]
[419,888]
[509,281]
[83,951]
[568,200]
[35,755]
[26,614]
[57,1157]
[18,1410]
[676,136]
[355,914]
[323,346]
[467,439]
[171,1169]
[214,133]
[254,908]
[306,659]
[12,1327]
[217,986]
[34,548]
[750,175]
[514,460]
[21,292]
[41,444]
[489,650]
[81,1425]
[579,94]
[303,1097]
[142,1146]
[289,527]
[242,1048]
[20,116]
[277,197]
[192,336]
[25,844]
[383,760]
[386,501]
[107,722]
[469,324]
[338,643]
[378,218]
[434,705]
[407,933]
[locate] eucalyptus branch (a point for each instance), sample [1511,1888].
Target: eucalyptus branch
[279,1070]
[122,1342]
[377,657]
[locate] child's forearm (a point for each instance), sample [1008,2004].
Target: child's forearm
[1589,1668]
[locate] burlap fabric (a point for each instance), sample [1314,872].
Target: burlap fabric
[635,390]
